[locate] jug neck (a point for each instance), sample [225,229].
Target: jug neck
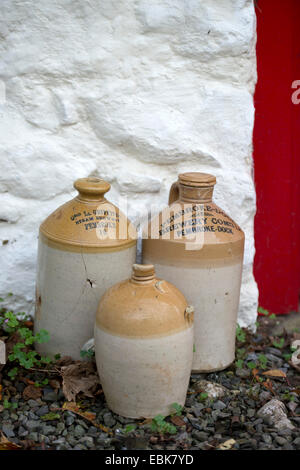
[91,189]
[143,274]
[194,194]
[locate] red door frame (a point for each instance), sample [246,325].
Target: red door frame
[276,153]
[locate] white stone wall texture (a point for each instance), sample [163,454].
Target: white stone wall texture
[134,91]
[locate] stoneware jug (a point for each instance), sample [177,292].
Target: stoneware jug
[85,246]
[144,345]
[200,249]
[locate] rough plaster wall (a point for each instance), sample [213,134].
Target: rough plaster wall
[134,91]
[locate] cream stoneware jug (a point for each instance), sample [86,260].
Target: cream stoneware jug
[144,345]
[85,246]
[198,247]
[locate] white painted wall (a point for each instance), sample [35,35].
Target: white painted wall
[134,91]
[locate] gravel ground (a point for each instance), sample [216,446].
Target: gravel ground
[239,408]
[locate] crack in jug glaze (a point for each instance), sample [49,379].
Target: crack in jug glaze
[85,246]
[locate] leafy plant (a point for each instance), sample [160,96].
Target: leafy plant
[278,344]
[129,427]
[287,356]
[8,405]
[177,409]
[287,396]
[202,396]
[13,373]
[41,384]
[21,353]
[263,361]
[239,363]
[88,354]
[50,416]
[158,424]
[240,334]
[263,311]
[240,355]
[251,365]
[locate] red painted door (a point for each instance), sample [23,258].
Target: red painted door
[277,155]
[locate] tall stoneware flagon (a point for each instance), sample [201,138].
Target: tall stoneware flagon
[144,345]
[85,246]
[199,248]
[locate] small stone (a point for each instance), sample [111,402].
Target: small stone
[243,373]
[288,446]
[212,389]
[33,436]
[20,386]
[33,425]
[59,441]
[296,443]
[264,395]
[285,432]
[93,431]
[69,420]
[275,412]
[43,410]
[200,435]
[49,395]
[22,432]
[250,413]
[8,430]
[252,357]
[79,431]
[88,441]
[274,360]
[219,405]
[46,429]
[79,447]
[109,420]
[71,440]
[280,440]
[267,438]
[274,351]
[197,410]
[32,403]
[60,427]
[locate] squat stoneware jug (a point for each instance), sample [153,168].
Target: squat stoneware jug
[85,246]
[200,249]
[144,345]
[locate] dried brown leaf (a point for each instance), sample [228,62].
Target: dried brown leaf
[79,377]
[274,373]
[75,408]
[31,392]
[5,444]
[269,386]
[178,421]
[64,361]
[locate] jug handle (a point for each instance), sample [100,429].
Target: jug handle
[174,193]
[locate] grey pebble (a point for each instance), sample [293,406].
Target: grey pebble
[79,431]
[43,410]
[8,430]
[109,420]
